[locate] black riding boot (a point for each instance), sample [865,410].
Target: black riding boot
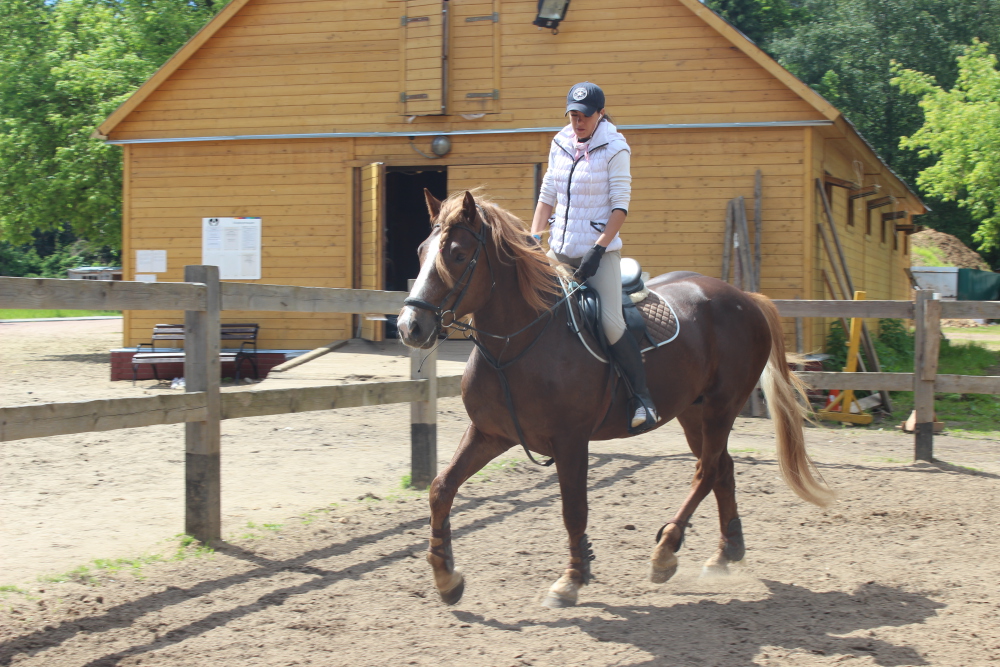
[643,412]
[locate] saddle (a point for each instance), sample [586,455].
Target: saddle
[648,316]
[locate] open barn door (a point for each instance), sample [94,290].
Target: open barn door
[424,55]
[512,186]
[372,238]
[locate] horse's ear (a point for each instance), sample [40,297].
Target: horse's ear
[433,204]
[469,207]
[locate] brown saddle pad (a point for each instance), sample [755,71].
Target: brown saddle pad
[661,322]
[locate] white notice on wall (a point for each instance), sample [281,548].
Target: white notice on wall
[150,261]
[145,277]
[233,245]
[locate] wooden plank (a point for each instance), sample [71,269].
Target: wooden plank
[727,241]
[307,399]
[39,421]
[932,341]
[203,439]
[758,226]
[923,390]
[977,310]
[99,294]
[858,381]
[286,298]
[968,384]
[423,420]
[866,309]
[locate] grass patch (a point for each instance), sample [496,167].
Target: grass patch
[895,344]
[15,314]
[929,256]
[12,589]
[492,468]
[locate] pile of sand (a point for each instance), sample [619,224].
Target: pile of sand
[946,250]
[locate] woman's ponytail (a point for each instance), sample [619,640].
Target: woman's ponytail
[607,117]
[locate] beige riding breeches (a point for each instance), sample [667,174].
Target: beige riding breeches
[608,283]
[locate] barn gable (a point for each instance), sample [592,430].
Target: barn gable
[266,67]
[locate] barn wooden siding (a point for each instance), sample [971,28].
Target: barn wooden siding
[325,66]
[283,66]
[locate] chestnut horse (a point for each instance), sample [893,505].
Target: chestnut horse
[480,261]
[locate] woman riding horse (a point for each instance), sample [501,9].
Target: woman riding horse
[588,186]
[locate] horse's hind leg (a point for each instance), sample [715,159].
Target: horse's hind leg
[474,452]
[707,433]
[731,545]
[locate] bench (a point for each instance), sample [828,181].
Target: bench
[247,333]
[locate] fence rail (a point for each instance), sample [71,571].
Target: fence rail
[203,407]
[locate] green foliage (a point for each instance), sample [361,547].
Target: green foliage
[929,256]
[893,344]
[760,20]
[26,262]
[962,131]
[65,65]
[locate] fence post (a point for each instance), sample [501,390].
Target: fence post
[927,318]
[202,497]
[423,421]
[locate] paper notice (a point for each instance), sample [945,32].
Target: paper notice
[150,261]
[145,277]
[232,244]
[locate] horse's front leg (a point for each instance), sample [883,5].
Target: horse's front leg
[474,452]
[571,464]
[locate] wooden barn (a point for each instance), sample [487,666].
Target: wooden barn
[305,131]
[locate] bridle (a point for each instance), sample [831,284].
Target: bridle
[439,311]
[461,286]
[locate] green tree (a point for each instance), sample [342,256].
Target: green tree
[64,67]
[760,20]
[961,131]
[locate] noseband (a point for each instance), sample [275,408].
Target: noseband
[462,283]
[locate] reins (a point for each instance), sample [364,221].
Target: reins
[440,311]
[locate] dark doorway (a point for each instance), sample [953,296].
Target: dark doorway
[407,224]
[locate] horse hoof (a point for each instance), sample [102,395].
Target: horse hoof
[455,590]
[454,595]
[555,601]
[659,575]
[661,569]
[564,593]
[716,566]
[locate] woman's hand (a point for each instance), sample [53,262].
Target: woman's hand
[589,265]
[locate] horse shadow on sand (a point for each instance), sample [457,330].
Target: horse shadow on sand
[735,633]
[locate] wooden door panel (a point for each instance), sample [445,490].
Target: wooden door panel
[372,238]
[424,33]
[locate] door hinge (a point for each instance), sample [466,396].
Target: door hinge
[403,97]
[406,20]
[494,17]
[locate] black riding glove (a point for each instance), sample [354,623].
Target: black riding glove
[589,264]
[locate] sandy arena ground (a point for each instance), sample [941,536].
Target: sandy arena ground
[900,571]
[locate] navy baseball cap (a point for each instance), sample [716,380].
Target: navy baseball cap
[586,98]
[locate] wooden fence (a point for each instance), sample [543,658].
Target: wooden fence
[926,312]
[202,408]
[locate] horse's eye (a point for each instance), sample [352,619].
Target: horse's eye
[460,257]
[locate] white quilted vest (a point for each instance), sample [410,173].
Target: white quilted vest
[583,202]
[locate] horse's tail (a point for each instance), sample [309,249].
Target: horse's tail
[786,395]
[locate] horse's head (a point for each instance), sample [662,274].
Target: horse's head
[451,283]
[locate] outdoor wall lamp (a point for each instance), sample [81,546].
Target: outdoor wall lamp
[550,13]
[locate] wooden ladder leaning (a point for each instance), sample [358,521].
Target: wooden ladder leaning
[841,408]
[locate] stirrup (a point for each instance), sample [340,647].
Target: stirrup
[643,418]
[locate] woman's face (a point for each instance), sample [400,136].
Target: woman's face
[584,126]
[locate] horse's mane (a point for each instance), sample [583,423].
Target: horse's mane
[536,276]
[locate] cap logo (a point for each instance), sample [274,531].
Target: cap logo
[579,93]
